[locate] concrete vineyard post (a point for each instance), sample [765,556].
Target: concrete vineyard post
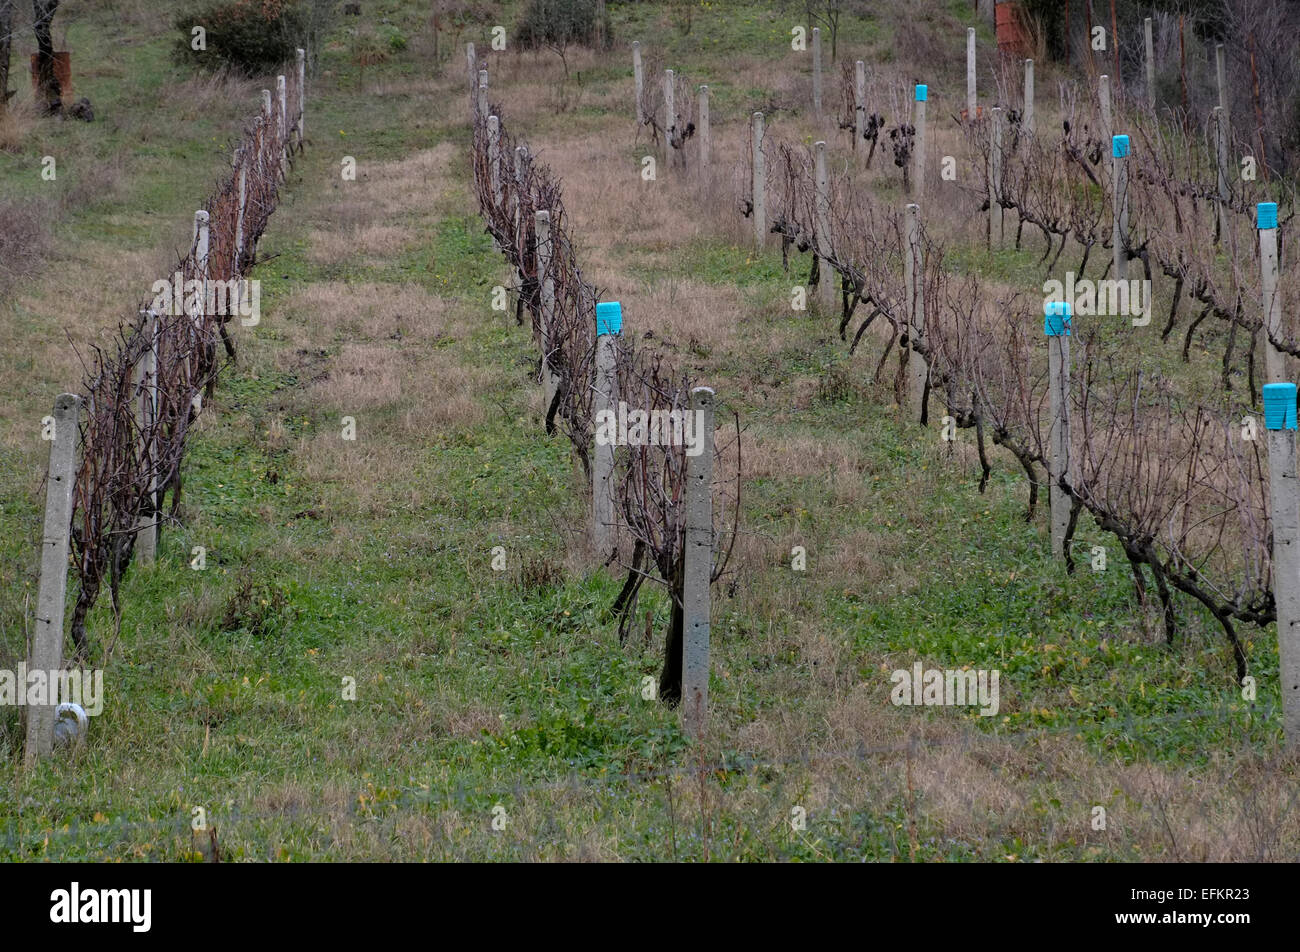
[238,251]
[547,282]
[1107,127]
[1221,163]
[1221,75]
[282,94]
[670,119]
[265,139]
[638,76]
[759,184]
[302,94]
[705,136]
[1056,326]
[521,155]
[859,103]
[1103,99]
[827,275]
[1027,120]
[241,206]
[494,165]
[697,570]
[609,325]
[1150,62]
[971,102]
[817,71]
[914,284]
[46,652]
[494,156]
[995,179]
[146,536]
[1119,206]
[918,157]
[472,62]
[1274,359]
[483,95]
[202,242]
[1284,503]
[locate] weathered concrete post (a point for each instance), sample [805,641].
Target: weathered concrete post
[1221,162]
[264,152]
[670,119]
[282,95]
[914,283]
[146,536]
[971,100]
[706,142]
[46,651]
[198,314]
[1151,63]
[759,184]
[1119,207]
[547,280]
[202,244]
[1027,120]
[302,94]
[995,179]
[1103,98]
[483,95]
[494,165]
[1221,75]
[473,74]
[697,570]
[237,253]
[828,277]
[1056,325]
[859,103]
[638,76]
[494,156]
[521,158]
[1274,360]
[918,155]
[817,71]
[609,324]
[1284,500]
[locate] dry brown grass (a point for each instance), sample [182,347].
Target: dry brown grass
[369,244]
[333,311]
[16,124]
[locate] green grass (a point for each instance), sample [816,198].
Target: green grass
[476,689]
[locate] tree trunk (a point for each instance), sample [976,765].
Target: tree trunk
[670,680]
[6,43]
[47,82]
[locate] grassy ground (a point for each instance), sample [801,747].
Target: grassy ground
[488,699]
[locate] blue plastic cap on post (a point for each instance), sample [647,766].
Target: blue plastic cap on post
[1266,215]
[609,318]
[1056,318]
[1279,406]
[922,93]
[1119,147]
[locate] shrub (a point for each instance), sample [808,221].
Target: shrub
[394,38]
[251,36]
[557,23]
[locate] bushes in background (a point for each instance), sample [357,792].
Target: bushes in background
[251,36]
